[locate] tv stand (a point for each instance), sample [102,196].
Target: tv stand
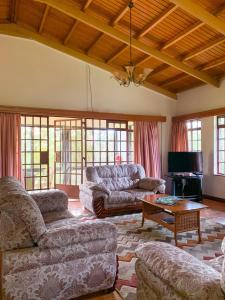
[188,187]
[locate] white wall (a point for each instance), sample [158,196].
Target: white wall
[37,76]
[196,100]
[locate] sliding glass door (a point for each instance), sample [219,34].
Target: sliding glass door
[69,155]
[35,152]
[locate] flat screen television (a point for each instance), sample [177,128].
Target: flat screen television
[185,162]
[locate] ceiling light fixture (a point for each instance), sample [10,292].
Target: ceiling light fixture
[129,75]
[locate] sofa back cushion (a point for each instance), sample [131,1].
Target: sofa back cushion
[116,177]
[21,213]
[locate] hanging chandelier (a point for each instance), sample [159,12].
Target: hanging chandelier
[130,75]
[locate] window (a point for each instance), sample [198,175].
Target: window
[108,142]
[34,152]
[221,145]
[194,135]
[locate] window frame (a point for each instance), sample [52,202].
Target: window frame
[191,130]
[43,154]
[218,127]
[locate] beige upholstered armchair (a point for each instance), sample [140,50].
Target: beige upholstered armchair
[166,272]
[48,254]
[116,189]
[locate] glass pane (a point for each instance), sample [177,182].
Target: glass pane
[79,157]
[221,156]
[103,146]
[96,124]
[221,144]
[89,156]
[131,125]
[96,135]
[29,183]
[103,124]
[89,146]
[28,158]
[36,157]
[123,146]
[29,133]
[221,132]
[44,133]
[78,180]
[89,135]
[194,124]
[123,156]
[110,135]
[44,170]
[29,171]
[111,156]
[194,135]
[44,121]
[111,146]
[29,121]
[37,133]
[37,121]
[44,146]
[123,135]
[221,120]
[44,183]
[97,146]
[103,135]
[23,158]
[37,171]
[96,156]
[37,183]
[103,157]
[36,145]
[89,123]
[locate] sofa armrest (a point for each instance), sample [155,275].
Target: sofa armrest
[152,184]
[187,275]
[50,200]
[77,233]
[90,186]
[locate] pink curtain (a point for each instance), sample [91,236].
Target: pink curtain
[179,136]
[10,155]
[146,147]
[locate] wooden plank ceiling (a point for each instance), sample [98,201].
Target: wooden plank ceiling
[183,41]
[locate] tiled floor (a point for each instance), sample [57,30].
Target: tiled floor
[215,212]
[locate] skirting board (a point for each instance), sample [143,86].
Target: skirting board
[213,198]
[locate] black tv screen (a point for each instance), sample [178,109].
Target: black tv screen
[189,162]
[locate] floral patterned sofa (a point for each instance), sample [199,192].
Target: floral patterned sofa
[116,189]
[48,254]
[166,272]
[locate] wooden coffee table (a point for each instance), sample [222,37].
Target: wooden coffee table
[186,214]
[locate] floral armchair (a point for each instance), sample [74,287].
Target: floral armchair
[48,254]
[166,272]
[117,189]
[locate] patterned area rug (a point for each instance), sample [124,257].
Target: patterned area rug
[130,235]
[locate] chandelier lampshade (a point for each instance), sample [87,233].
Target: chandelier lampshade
[130,74]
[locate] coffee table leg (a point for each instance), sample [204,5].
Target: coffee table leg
[175,238]
[199,229]
[143,219]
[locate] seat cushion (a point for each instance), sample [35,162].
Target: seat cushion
[139,193]
[124,198]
